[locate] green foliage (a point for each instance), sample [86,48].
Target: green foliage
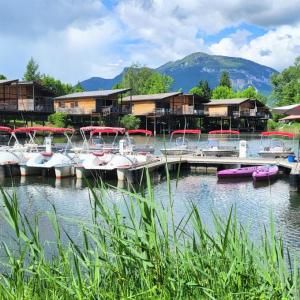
[251,93]
[272,125]
[141,252]
[77,88]
[59,119]
[32,71]
[130,122]
[143,80]
[292,127]
[225,79]
[223,92]
[202,89]
[59,88]
[56,86]
[2,77]
[286,85]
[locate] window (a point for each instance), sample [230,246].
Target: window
[61,104]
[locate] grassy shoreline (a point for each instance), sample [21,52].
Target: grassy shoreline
[144,254]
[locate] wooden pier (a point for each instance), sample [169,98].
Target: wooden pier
[212,164]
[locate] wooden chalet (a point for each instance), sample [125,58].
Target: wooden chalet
[165,111]
[175,103]
[25,100]
[29,96]
[239,113]
[92,106]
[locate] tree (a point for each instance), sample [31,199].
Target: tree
[77,88]
[59,119]
[142,80]
[130,122]
[202,89]
[250,92]
[225,79]
[59,88]
[223,92]
[2,77]
[32,71]
[286,85]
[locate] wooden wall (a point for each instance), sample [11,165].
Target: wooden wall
[76,106]
[143,108]
[218,111]
[8,97]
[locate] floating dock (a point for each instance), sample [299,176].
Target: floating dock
[201,164]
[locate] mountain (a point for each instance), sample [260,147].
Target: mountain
[188,71]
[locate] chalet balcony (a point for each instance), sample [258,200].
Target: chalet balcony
[103,110]
[8,107]
[74,110]
[250,113]
[179,111]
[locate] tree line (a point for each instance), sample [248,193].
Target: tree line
[143,80]
[59,88]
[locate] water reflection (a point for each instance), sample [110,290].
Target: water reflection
[253,203]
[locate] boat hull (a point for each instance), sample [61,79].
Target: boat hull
[174,152]
[265,173]
[273,154]
[237,173]
[220,153]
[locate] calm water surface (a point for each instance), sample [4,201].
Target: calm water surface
[254,204]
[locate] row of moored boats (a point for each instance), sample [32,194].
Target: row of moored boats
[121,153]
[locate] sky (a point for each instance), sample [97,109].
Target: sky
[73,40]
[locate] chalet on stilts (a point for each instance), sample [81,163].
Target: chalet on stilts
[101,107]
[165,112]
[24,101]
[243,114]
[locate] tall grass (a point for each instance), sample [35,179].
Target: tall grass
[143,253]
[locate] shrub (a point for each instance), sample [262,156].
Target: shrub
[58,119]
[130,122]
[272,125]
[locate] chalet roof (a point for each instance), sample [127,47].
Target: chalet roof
[92,94]
[6,81]
[152,97]
[291,117]
[234,101]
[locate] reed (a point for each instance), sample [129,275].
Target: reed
[143,253]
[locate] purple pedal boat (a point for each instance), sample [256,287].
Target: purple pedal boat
[237,173]
[265,173]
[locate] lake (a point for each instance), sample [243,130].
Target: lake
[253,203]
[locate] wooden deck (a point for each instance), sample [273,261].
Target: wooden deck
[217,161]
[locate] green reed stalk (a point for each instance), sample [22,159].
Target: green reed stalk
[142,253]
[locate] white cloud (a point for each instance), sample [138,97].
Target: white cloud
[277,48]
[74,39]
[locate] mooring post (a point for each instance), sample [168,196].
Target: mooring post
[294,180]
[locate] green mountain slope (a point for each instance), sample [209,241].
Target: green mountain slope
[188,71]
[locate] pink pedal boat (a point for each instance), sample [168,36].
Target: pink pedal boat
[237,173]
[265,173]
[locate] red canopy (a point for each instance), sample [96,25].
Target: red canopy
[108,130]
[93,128]
[5,129]
[43,129]
[224,132]
[278,133]
[143,131]
[186,131]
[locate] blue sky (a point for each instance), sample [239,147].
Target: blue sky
[74,40]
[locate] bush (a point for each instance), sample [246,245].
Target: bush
[58,119]
[130,122]
[272,125]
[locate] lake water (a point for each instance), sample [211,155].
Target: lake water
[254,203]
